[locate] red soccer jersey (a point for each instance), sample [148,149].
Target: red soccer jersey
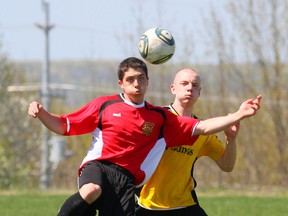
[129,135]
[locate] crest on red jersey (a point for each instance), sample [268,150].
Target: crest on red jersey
[147,128]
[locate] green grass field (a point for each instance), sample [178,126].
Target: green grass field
[244,206]
[41,203]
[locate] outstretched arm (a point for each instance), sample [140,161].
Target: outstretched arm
[217,124]
[51,121]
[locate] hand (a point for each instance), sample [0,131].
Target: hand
[250,107]
[34,109]
[232,131]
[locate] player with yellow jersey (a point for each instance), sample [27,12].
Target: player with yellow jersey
[170,190]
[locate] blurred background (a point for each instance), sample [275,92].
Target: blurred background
[66,53]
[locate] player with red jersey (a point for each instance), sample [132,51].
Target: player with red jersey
[129,137]
[137,130]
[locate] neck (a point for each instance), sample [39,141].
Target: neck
[182,110]
[135,100]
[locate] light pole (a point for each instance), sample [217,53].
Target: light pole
[45,99]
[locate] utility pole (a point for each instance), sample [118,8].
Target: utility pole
[45,177]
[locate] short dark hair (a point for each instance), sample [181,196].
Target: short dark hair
[131,62]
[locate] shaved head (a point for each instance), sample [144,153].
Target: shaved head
[186,88]
[187,72]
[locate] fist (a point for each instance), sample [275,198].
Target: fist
[34,109]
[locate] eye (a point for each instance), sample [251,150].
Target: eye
[141,78]
[130,79]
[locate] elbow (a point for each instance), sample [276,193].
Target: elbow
[227,169]
[225,166]
[62,133]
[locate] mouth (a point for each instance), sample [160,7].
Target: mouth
[138,92]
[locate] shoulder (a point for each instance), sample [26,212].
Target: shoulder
[107,98]
[164,110]
[98,102]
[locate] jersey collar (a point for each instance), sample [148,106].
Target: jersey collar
[130,103]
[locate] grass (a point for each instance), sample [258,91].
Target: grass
[238,202]
[45,203]
[244,206]
[31,203]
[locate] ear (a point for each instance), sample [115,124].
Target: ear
[172,89]
[120,83]
[199,92]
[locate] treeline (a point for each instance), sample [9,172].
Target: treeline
[250,58]
[259,160]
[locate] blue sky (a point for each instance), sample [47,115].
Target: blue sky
[99,29]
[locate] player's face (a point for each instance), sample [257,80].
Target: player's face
[134,85]
[186,87]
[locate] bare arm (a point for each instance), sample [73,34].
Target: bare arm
[227,161]
[51,121]
[217,124]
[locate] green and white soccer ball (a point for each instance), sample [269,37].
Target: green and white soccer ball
[156,45]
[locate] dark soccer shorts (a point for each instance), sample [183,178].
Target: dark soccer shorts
[117,184]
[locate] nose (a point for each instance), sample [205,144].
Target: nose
[190,87]
[136,82]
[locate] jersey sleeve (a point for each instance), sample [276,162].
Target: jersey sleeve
[84,120]
[179,130]
[213,148]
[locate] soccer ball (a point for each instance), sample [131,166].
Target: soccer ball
[156,45]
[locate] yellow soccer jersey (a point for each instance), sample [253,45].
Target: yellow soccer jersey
[171,185]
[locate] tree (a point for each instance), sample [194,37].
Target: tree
[18,149]
[250,44]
